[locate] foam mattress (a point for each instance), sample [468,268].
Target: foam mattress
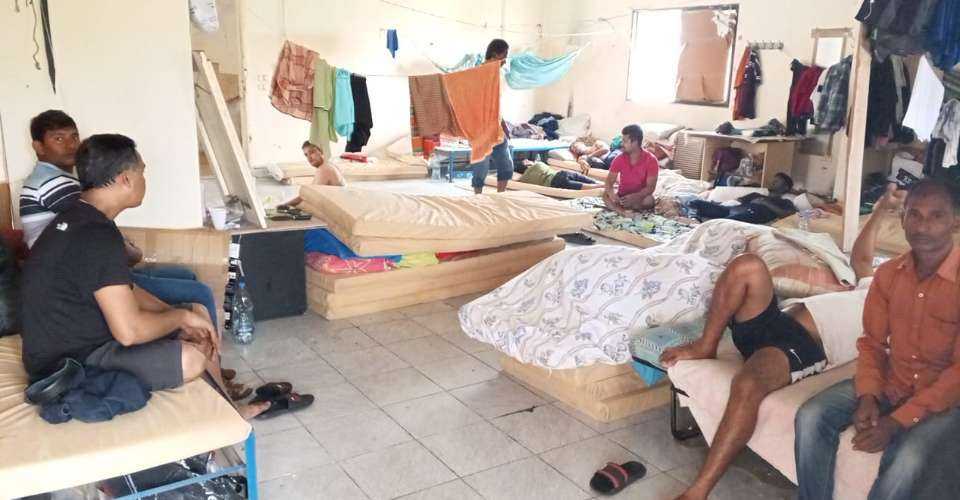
[37,457]
[339,296]
[552,192]
[381,223]
[603,392]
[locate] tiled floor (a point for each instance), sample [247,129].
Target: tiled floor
[408,407]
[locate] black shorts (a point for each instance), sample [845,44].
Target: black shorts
[774,328]
[566,179]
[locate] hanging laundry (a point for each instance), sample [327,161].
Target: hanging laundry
[431,109]
[362,116]
[948,130]
[526,70]
[293,81]
[794,125]
[393,43]
[523,70]
[943,35]
[474,98]
[925,101]
[933,160]
[801,106]
[343,103]
[951,84]
[899,26]
[748,77]
[885,108]
[321,128]
[832,113]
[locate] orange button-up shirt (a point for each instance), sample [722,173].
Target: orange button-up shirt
[910,348]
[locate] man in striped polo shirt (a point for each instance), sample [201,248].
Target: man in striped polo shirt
[52,187]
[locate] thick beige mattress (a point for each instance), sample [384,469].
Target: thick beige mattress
[341,296]
[603,392]
[552,192]
[37,457]
[381,223]
[386,169]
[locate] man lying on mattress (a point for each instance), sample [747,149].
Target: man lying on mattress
[326,174]
[539,173]
[78,298]
[633,175]
[782,346]
[595,155]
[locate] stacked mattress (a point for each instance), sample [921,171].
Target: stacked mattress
[376,223]
[385,169]
[603,392]
[336,296]
[505,233]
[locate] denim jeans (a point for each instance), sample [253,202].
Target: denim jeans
[175,285]
[918,463]
[502,160]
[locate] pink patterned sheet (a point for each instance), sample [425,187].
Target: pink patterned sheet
[331,264]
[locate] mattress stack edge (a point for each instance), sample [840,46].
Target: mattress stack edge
[344,296]
[602,392]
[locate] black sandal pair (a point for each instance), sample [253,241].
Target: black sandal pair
[282,399]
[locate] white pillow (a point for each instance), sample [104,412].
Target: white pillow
[654,131]
[729,193]
[578,126]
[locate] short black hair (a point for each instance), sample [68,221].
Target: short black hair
[308,143]
[496,47]
[102,157]
[933,187]
[51,119]
[634,132]
[786,179]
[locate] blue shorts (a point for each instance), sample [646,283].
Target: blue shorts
[502,160]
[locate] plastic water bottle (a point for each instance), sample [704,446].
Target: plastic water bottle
[242,316]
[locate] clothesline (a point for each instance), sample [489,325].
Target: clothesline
[502,28]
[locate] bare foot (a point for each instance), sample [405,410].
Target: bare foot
[252,410]
[694,350]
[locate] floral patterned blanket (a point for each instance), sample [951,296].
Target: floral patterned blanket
[580,306]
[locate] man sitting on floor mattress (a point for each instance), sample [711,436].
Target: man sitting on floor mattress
[633,175]
[78,297]
[780,347]
[539,173]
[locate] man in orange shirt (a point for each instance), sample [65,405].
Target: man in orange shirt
[904,397]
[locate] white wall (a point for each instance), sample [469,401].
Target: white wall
[598,84]
[122,66]
[351,35]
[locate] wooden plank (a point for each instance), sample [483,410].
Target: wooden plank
[224,141]
[6,207]
[211,155]
[857,130]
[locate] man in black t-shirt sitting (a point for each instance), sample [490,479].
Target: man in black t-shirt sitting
[78,298]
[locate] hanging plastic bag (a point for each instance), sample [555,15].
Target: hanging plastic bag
[203,14]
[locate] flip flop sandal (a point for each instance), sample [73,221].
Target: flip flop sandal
[228,374]
[286,403]
[272,390]
[613,478]
[578,239]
